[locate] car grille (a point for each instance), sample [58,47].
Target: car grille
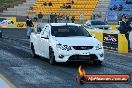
[83,57]
[82,47]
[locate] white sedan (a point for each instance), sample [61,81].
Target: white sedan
[98,24]
[66,42]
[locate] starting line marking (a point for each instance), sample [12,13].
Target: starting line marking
[4,83]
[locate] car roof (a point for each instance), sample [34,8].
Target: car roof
[63,24]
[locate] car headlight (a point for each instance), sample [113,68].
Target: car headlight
[63,47]
[98,47]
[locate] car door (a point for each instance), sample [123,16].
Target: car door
[44,41]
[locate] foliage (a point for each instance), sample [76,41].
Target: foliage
[6,1]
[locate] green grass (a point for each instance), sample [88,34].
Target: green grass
[6,1]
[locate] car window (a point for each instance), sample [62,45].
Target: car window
[68,31]
[45,30]
[98,23]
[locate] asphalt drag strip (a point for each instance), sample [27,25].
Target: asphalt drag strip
[24,71]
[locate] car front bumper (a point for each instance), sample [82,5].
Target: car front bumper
[79,55]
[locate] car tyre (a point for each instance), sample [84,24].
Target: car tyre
[51,57]
[33,51]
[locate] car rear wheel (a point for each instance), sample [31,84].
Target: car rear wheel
[33,51]
[51,57]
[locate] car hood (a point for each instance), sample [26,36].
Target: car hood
[77,41]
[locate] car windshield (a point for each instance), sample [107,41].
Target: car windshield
[98,23]
[69,31]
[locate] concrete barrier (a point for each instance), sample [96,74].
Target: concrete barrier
[122,44]
[113,27]
[113,42]
[130,37]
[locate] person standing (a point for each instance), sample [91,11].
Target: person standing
[40,17]
[81,18]
[125,28]
[50,4]
[29,25]
[67,18]
[51,18]
[55,18]
[73,19]
[121,18]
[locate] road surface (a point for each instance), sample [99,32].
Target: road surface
[24,71]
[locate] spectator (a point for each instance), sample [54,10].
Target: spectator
[106,20]
[94,16]
[120,20]
[55,18]
[81,18]
[45,4]
[128,2]
[35,19]
[67,18]
[51,18]
[115,7]
[40,17]
[73,19]
[68,6]
[120,7]
[50,4]
[31,8]
[64,6]
[29,25]
[63,17]
[125,28]
[72,2]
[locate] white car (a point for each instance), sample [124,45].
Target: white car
[66,42]
[97,24]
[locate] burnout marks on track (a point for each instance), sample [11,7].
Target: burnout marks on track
[15,49]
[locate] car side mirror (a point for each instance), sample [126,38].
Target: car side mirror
[89,26]
[39,29]
[85,25]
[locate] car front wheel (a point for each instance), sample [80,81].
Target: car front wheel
[51,56]
[33,51]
